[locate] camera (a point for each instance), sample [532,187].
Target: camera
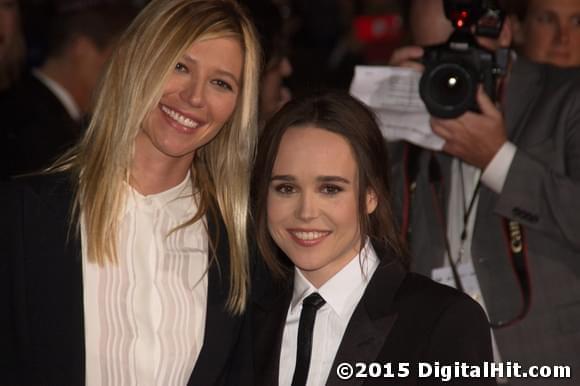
[454,69]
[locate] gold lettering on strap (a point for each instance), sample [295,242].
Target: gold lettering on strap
[515,237]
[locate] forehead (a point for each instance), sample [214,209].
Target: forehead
[224,53]
[314,150]
[558,6]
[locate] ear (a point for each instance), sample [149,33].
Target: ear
[506,34]
[517,30]
[372,201]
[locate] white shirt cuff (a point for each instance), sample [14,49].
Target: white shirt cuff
[497,170]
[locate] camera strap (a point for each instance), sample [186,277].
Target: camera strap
[513,231]
[518,253]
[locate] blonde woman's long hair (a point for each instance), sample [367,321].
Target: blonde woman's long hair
[131,86]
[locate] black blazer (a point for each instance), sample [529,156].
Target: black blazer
[42,338]
[402,317]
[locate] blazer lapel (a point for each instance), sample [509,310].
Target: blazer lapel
[55,340]
[269,317]
[371,321]
[222,327]
[523,89]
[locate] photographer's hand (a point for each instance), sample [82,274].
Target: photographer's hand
[409,56]
[472,137]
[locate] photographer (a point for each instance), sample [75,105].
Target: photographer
[519,228]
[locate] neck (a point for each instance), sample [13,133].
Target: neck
[154,174]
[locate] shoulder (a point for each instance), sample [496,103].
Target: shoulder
[41,185]
[435,301]
[34,194]
[440,323]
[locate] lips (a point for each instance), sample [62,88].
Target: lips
[184,122]
[307,237]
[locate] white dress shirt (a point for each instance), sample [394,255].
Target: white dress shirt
[462,190]
[145,315]
[342,294]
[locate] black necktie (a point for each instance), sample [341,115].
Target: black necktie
[304,348]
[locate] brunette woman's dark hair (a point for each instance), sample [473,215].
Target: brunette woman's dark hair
[344,115]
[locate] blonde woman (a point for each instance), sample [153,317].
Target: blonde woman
[127,262]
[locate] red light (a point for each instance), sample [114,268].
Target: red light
[464,14]
[459,23]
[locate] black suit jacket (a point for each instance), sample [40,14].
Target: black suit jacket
[402,317]
[36,128]
[42,338]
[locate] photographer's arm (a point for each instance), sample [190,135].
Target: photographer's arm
[543,199]
[409,56]
[533,193]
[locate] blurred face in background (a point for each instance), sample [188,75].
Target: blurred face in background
[273,93]
[9,25]
[550,32]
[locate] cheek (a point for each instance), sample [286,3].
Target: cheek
[223,107]
[275,211]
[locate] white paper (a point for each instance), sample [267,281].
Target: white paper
[393,94]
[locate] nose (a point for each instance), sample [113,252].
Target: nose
[563,34]
[192,93]
[307,208]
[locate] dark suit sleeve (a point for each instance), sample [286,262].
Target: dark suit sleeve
[461,334]
[543,183]
[10,245]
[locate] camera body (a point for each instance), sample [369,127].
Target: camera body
[454,69]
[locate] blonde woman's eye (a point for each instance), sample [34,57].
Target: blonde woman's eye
[180,67]
[223,84]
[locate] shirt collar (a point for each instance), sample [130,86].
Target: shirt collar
[61,94]
[338,290]
[177,201]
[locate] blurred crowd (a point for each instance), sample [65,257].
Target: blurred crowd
[309,45]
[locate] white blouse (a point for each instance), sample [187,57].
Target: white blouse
[145,315]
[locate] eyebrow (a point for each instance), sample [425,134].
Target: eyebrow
[219,71]
[289,178]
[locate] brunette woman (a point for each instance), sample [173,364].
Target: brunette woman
[325,229]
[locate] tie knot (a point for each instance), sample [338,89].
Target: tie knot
[313,300]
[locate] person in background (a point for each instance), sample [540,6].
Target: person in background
[127,261]
[12,47]
[42,114]
[325,228]
[273,31]
[547,31]
[501,198]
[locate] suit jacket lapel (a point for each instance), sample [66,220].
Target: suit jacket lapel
[56,306]
[523,89]
[371,321]
[221,326]
[270,315]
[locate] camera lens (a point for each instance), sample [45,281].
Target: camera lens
[448,89]
[449,86]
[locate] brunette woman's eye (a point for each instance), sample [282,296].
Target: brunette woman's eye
[284,189]
[331,189]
